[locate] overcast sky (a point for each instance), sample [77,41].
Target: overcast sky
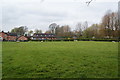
[39,14]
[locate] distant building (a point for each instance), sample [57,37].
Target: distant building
[11,37]
[3,36]
[8,36]
[22,38]
[43,36]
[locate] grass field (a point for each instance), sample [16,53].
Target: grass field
[86,59]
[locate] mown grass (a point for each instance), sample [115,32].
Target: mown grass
[86,59]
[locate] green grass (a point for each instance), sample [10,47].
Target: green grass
[86,59]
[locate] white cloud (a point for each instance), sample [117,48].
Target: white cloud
[35,14]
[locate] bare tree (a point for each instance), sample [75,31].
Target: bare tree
[88,2]
[20,30]
[79,29]
[38,31]
[66,31]
[52,27]
[85,25]
[106,23]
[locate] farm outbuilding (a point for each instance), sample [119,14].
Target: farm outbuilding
[8,36]
[43,36]
[22,38]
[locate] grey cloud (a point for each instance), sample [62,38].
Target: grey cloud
[33,13]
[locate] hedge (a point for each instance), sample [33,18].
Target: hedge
[80,39]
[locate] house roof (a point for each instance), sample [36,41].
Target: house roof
[41,35]
[12,34]
[9,34]
[3,32]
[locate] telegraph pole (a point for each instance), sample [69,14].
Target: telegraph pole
[119,11]
[119,21]
[119,39]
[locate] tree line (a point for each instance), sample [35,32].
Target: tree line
[109,28]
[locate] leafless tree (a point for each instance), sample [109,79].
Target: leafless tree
[52,27]
[79,29]
[38,31]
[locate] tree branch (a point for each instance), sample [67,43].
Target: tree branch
[88,2]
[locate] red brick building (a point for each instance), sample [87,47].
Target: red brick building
[22,38]
[12,37]
[8,36]
[3,35]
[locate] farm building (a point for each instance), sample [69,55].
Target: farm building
[43,36]
[22,38]
[3,35]
[36,36]
[8,36]
[11,36]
